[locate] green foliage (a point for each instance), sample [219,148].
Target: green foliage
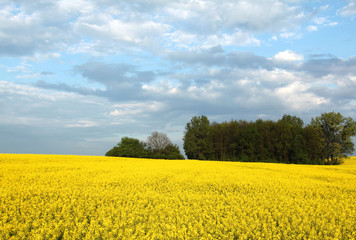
[325,141]
[293,120]
[169,152]
[336,131]
[128,147]
[298,152]
[158,147]
[197,138]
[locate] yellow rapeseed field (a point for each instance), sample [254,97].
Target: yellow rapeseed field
[78,197]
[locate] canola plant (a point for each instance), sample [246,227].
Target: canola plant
[82,197]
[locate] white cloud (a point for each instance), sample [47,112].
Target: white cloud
[22,68]
[239,38]
[124,112]
[82,124]
[296,97]
[259,15]
[320,20]
[112,35]
[288,56]
[179,39]
[11,88]
[96,27]
[76,6]
[332,24]
[34,75]
[348,10]
[287,35]
[128,109]
[312,28]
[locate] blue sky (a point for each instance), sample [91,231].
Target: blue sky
[76,76]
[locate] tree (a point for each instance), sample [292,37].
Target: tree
[158,142]
[336,132]
[313,144]
[325,141]
[159,146]
[298,151]
[172,152]
[128,147]
[293,120]
[197,138]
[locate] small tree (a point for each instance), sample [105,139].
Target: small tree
[336,132]
[160,146]
[158,142]
[128,147]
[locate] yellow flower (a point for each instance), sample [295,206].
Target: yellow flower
[77,197]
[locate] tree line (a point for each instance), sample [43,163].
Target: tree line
[157,146]
[326,140]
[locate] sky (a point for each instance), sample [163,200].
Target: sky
[76,76]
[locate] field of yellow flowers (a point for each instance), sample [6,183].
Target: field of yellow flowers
[81,197]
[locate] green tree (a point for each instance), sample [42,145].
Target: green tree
[299,153]
[336,132]
[247,138]
[158,146]
[313,144]
[293,120]
[172,151]
[128,147]
[197,138]
[283,141]
[264,142]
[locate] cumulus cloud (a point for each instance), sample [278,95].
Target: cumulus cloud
[209,16]
[29,28]
[26,30]
[288,56]
[238,38]
[135,33]
[296,97]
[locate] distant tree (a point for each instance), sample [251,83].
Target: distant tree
[158,142]
[197,143]
[325,141]
[298,153]
[172,152]
[336,132]
[313,144]
[293,120]
[159,146]
[247,138]
[264,143]
[128,147]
